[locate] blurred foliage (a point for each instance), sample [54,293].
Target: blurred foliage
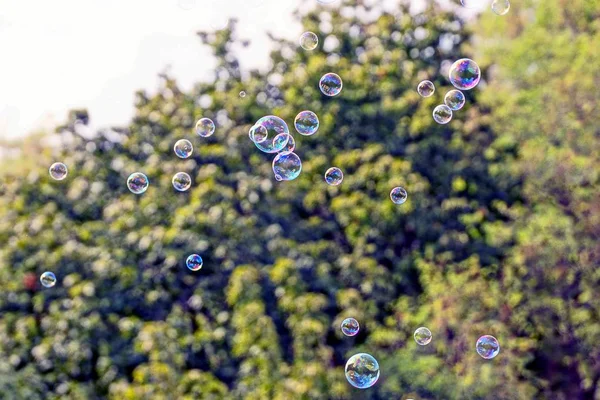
[499,236]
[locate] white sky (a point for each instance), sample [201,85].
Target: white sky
[56,55]
[60,54]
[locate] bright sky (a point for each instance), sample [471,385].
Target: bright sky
[62,54]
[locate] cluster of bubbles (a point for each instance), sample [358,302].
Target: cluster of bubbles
[464,74]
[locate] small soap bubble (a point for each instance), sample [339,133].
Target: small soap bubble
[306,123]
[422,336]
[455,99]
[426,88]
[350,327]
[242,94]
[48,279]
[334,176]
[58,171]
[442,114]
[309,41]
[464,74]
[181,181]
[194,262]
[287,166]
[258,133]
[362,370]
[277,134]
[183,148]
[398,195]
[137,183]
[291,144]
[500,7]
[205,127]
[331,84]
[487,347]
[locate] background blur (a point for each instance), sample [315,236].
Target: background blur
[500,234]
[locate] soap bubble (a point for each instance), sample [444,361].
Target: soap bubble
[331,84]
[442,114]
[455,99]
[500,7]
[426,88]
[287,166]
[422,336]
[277,134]
[334,176]
[309,41]
[350,327]
[242,94]
[258,133]
[398,195]
[291,144]
[487,347]
[48,279]
[306,123]
[138,183]
[183,148]
[362,370]
[194,262]
[464,74]
[205,127]
[181,181]
[58,171]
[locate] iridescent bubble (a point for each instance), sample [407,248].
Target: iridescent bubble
[455,99]
[331,84]
[500,7]
[205,127]
[309,41]
[398,195]
[287,166]
[464,74]
[422,336]
[442,114]
[194,262]
[258,133]
[137,183]
[334,176]
[58,171]
[181,181]
[350,327]
[291,144]
[426,88]
[183,148]
[48,279]
[242,94]
[307,123]
[277,134]
[362,370]
[487,347]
